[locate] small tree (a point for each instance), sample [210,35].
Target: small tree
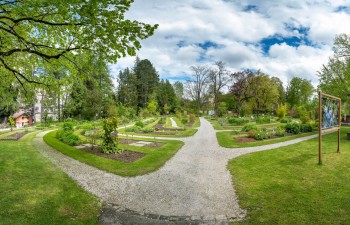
[281,111]
[110,141]
[11,122]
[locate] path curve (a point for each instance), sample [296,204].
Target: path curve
[195,182]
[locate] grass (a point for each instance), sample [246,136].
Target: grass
[34,191]
[287,186]
[227,140]
[217,125]
[155,158]
[189,131]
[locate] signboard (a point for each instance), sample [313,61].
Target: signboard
[328,119]
[330,112]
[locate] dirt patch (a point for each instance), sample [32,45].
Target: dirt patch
[14,137]
[125,156]
[245,139]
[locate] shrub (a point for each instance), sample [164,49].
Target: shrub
[280,132]
[252,133]
[249,127]
[132,129]
[282,111]
[147,130]
[293,128]
[261,120]
[306,127]
[68,127]
[139,123]
[259,136]
[184,120]
[110,141]
[285,120]
[237,121]
[192,118]
[67,137]
[221,122]
[71,139]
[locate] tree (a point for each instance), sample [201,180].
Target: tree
[264,92]
[147,81]
[127,88]
[92,94]
[166,97]
[8,99]
[38,32]
[280,88]
[218,78]
[335,76]
[197,87]
[298,91]
[241,87]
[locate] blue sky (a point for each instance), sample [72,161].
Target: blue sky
[281,38]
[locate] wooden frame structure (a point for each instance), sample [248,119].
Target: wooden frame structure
[337,128]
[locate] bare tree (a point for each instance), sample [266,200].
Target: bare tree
[218,78]
[196,87]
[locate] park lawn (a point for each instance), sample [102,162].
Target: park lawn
[287,186]
[34,191]
[155,158]
[227,140]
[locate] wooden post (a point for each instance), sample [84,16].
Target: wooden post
[319,128]
[339,124]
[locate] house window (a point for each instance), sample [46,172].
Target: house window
[22,117]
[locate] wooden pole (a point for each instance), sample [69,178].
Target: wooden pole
[339,124]
[319,128]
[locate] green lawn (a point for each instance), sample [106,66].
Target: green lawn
[34,191]
[287,186]
[155,158]
[227,140]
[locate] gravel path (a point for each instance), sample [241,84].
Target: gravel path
[173,123]
[194,183]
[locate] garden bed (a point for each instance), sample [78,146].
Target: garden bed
[152,144]
[14,137]
[125,156]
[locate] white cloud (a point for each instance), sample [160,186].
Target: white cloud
[237,34]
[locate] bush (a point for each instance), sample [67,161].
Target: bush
[68,127]
[280,132]
[132,129]
[285,120]
[147,130]
[252,133]
[261,120]
[184,120]
[192,118]
[306,127]
[139,123]
[293,128]
[282,111]
[67,137]
[237,121]
[110,142]
[249,127]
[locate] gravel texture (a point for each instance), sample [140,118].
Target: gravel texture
[173,123]
[194,183]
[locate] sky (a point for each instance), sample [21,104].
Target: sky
[281,38]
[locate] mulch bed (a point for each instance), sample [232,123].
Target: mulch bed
[150,145]
[245,139]
[14,137]
[125,156]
